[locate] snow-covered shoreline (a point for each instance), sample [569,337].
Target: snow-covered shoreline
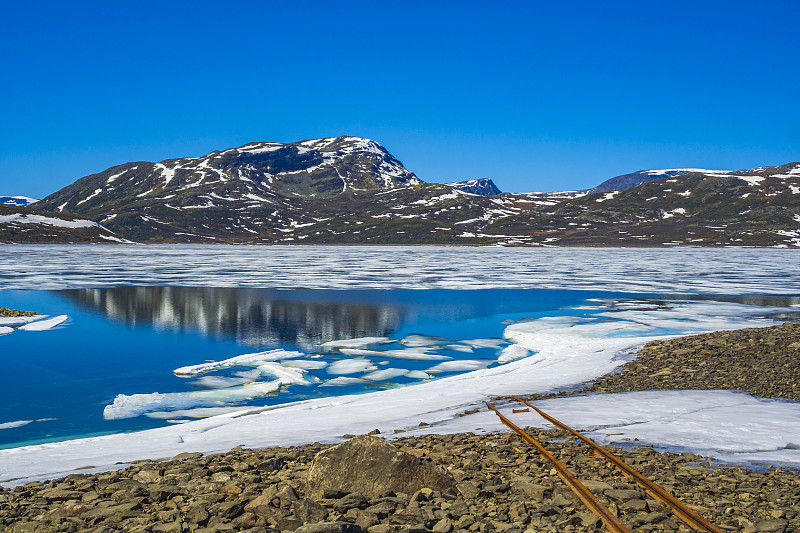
[569,351]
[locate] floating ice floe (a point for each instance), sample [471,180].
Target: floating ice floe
[412,354]
[349,366]
[342,381]
[305,364]
[283,374]
[131,405]
[42,325]
[361,342]
[220,382]
[5,330]
[460,366]
[16,321]
[458,348]
[15,424]
[386,373]
[250,359]
[484,343]
[416,340]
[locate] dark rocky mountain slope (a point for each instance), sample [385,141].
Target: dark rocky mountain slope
[349,190]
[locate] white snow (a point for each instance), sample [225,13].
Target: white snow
[676,211]
[512,353]
[14,321]
[607,196]
[752,180]
[249,359]
[384,374]
[5,330]
[42,325]
[95,193]
[50,221]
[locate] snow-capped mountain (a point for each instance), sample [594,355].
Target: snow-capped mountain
[626,181]
[25,225]
[481,186]
[19,201]
[352,190]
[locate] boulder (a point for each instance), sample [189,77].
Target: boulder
[373,467]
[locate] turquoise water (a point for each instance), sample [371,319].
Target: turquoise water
[129,340]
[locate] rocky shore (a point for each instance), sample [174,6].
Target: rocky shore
[497,482]
[6,312]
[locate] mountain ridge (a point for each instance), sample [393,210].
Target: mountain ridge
[348,189]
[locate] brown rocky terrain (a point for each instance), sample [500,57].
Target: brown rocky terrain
[501,485]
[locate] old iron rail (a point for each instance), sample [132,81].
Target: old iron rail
[611,522]
[681,510]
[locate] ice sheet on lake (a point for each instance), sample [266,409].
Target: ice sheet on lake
[131,405]
[668,271]
[5,330]
[362,342]
[249,359]
[43,325]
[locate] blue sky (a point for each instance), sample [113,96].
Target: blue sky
[535,95]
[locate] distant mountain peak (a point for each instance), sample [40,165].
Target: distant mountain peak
[480,186]
[19,201]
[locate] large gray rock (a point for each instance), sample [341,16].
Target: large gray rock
[372,466]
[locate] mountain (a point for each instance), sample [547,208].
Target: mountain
[19,201]
[26,225]
[760,207]
[349,190]
[482,187]
[626,181]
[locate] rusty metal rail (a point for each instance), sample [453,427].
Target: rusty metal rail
[611,522]
[680,509]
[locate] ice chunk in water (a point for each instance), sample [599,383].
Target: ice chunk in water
[386,373]
[305,364]
[4,330]
[349,366]
[362,342]
[484,343]
[15,424]
[416,340]
[342,381]
[219,382]
[418,374]
[412,354]
[249,359]
[42,325]
[131,405]
[456,366]
[15,321]
[284,374]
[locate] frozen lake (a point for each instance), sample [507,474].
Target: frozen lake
[159,336]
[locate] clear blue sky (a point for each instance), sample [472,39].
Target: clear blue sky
[536,95]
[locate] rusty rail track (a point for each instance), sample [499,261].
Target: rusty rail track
[679,509]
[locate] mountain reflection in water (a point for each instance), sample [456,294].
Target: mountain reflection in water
[254,317]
